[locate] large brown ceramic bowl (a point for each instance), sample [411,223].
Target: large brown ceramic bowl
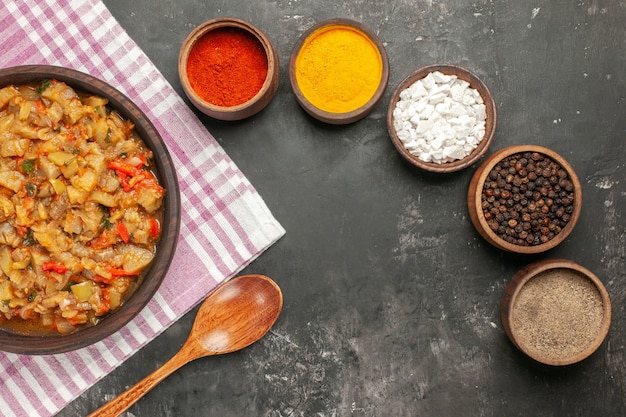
[151,278]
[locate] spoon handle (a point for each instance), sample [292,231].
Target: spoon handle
[123,401]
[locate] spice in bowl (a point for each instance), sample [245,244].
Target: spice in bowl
[528,198]
[227,66]
[556,311]
[440,118]
[525,199]
[339,71]
[557,314]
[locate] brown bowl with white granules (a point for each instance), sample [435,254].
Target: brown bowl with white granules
[524,199]
[556,312]
[442,118]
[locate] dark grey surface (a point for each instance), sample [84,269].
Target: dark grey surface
[391,297]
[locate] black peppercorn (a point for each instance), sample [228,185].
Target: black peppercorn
[528,199]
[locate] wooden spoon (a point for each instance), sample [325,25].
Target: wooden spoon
[235,315]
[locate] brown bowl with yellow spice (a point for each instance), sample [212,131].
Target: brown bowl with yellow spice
[338,71]
[556,311]
[229,68]
[91,210]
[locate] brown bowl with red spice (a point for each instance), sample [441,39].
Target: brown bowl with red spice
[524,199]
[228,68]
[556,311]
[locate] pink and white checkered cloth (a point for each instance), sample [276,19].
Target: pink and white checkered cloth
[225,223]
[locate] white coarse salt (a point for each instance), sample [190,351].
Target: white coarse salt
[440,118]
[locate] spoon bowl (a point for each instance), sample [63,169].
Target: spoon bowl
[235,315]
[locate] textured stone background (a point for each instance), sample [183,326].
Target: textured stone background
[391,297]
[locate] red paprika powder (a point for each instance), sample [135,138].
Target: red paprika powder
[227,66]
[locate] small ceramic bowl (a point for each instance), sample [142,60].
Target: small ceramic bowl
[556,312]
[490,119]
[528,218]
[151,279]
[244,109]
[317,91]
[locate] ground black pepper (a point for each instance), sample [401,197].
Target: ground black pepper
[527,199]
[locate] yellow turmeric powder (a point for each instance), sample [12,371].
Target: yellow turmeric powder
[338,69]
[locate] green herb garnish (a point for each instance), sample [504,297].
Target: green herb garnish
[28,165]
[31,296]
[31,189]
[106,220]
[45,84]
[29,239]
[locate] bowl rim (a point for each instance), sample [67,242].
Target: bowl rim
[528,272]
[490,122]
[474,197]
[260,99]
[353,115]
[166,172]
